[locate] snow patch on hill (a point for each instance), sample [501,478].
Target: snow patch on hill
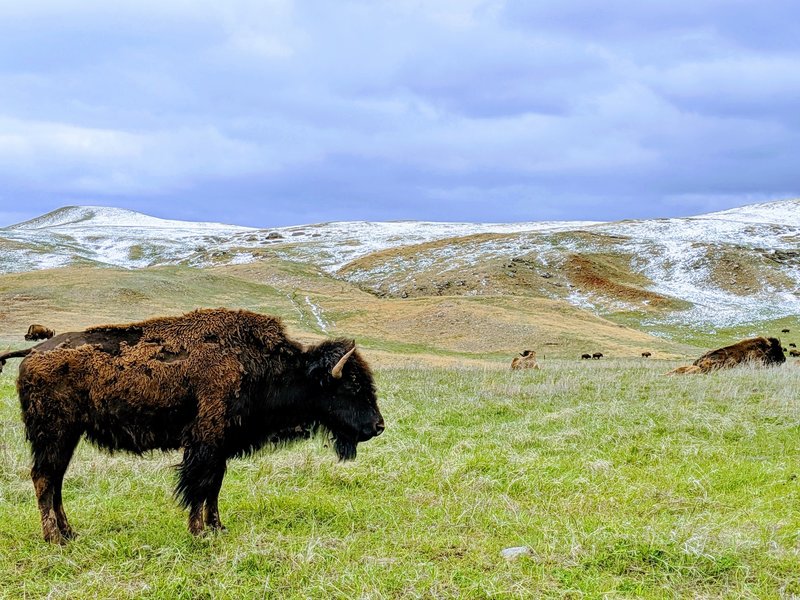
[93,217]
[674,254]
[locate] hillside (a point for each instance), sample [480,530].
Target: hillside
[478,289]
[313,304]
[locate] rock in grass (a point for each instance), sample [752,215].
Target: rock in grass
[515,552]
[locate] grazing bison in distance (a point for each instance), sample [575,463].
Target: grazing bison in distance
[646,354]
[215,383]
[794,352]
[525,360]
[597,355]
[785,330]
[792,345]
[586,356]
[758,351]
[39,332]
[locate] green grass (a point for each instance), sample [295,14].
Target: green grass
[620,481]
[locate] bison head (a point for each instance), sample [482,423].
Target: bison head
[347,403]
[775,353]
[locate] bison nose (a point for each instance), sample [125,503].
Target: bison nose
[379,427]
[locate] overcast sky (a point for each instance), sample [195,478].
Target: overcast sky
[278,112]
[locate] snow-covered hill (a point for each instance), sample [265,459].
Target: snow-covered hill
[124,238]
[732,267]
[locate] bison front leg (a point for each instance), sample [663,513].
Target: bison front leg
[199,480]
[212,519]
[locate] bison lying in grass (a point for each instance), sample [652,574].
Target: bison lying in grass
[216,383]
[525,360]
[756,351]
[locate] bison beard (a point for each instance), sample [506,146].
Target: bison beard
[216,383]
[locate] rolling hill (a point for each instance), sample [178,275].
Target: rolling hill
[458,290]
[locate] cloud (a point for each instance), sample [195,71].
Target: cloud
[406,109]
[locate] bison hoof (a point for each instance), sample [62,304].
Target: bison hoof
[54,537]
[51,531]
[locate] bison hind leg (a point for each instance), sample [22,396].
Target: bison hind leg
[49,465]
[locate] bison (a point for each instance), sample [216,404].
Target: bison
[215,383]
[685,370]
[39,332]
[794,352]
[760,350]
[792,345]
[597,355]
[586,356]
[646,354]
[525,360]
[785,330]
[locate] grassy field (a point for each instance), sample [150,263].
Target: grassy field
[619,481]
[314,305]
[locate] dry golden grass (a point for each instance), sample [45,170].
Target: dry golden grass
[441,329]
[611,276]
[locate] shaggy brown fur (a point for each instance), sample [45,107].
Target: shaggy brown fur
[216,383]
[525,360]
[758,351]
[39,332]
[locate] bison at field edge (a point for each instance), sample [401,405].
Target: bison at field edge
[525,360]
[758,351]
[597,355]
[647,354]
[685,370]
[215,383]
[39,332]
[586,356]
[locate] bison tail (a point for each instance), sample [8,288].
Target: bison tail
[15,354]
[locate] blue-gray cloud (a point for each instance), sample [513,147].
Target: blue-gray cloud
[283,111]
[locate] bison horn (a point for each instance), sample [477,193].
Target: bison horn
[336,372]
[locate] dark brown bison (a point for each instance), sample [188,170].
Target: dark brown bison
[215,383]
[525,360]
[597,355]
[586,356]
[785,330]
[792,345]
[794,352]
[758,351]
[646,354]
[39,332]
